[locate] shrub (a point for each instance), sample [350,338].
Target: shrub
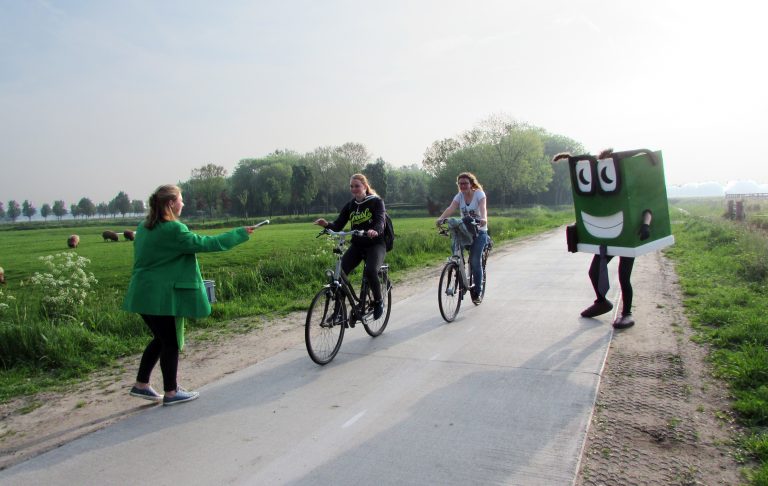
[4,303]
[65,286]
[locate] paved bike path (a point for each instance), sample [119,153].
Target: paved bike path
[502,395]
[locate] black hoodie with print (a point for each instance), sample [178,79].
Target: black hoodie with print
[364,215]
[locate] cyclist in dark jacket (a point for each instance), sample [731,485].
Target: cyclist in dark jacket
[366,212]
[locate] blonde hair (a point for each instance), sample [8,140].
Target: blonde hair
[158,205]
[472,180]
[364,180]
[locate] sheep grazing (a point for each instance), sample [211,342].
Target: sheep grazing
[109,236]
[128,235]
[2,275]
[73,241]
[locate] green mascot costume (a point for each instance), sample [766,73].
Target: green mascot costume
[621,208]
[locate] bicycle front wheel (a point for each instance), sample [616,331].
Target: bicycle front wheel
[324,329]
[449,292]
[374,327]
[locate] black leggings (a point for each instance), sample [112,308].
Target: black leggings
[374,259]
[625,272]
[163,347]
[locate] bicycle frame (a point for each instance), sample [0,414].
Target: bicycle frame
[458,256]
[339,280]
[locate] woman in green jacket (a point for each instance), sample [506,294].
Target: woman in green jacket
[166,286]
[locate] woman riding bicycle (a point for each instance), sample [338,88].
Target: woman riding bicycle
[366,212]
[471,202]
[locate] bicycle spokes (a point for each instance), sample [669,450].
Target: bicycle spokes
[449,291]
[324,328]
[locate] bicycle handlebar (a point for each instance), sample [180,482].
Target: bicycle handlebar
[326,231]
[473,221]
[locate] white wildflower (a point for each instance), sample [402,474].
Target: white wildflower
[65,285]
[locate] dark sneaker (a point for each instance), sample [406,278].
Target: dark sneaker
[598,308]
[337,317]
[378,310]
[146,394]
[181,396]
[476,299]
[624,322]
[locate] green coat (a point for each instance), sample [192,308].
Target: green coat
[166,279]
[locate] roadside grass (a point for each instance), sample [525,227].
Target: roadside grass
[723,270]
[277,272]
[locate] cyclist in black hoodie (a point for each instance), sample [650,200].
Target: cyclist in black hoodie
[366,212]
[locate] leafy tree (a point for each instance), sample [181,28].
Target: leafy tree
[28,209]
[516,159]
[207,183]
[408,184]
[86,207]
[122,203]
[224,203]
[14,211]
[74,210]
[59,209]
[242,185]
[507,156]
[137,206]
[242,198]
[377,176]
[102,209]
[322,163]
[2,210]
[559,191]
[112,207]
[436,156]
[351,158]
[303,187]
[45,211]
[273,187]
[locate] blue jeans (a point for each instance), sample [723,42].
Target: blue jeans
[475,259]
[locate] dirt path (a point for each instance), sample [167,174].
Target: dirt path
[655,421]
[660,417]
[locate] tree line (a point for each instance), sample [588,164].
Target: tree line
[85,208]
[510,158]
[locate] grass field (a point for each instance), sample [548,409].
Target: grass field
[723,270]
[279,270]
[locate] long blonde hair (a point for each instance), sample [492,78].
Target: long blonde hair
[158,205]
[473,183]
[364,180]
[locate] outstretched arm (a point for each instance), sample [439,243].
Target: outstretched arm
[449,210]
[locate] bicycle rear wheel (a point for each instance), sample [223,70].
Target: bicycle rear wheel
[449,292]
[486,252]
[324,329]
[374,327]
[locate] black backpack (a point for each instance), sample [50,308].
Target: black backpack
[389,232]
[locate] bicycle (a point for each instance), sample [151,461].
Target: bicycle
[327,317]
[454,282]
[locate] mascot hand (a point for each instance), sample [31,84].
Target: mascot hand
[645,232]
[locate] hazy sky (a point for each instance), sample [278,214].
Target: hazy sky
[102,96]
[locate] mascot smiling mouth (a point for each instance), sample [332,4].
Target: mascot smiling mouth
[603,226]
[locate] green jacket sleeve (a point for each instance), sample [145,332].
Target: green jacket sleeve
[189,242]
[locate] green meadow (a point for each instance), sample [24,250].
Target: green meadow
[278,271]
[723,271]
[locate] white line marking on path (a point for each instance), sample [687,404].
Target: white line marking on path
[353,419]
[434,357]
